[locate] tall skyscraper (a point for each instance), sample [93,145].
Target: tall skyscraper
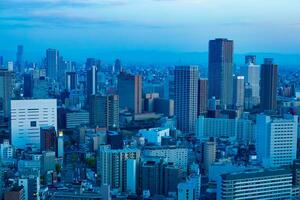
[27,117]
[1,61]
[19,59]
[91,82]
[28,86]
[52,63]
[268,85]
[117,66]
[202,95]
[276,143]
[104,111]
[252,77]
[90,62]
[186,97]
[220,70]
[71,81]
[238,91]
[5,93]
[130,92]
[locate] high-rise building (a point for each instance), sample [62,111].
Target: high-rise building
[209,153]
[52,63]
[268,85]
[92,62]
[277,143]
[31,185]
[77,118]
[256,184]
[252,78]
[91,82]
[19,59]
[71,81]
[6,90]
[238,91]
[130,92]
[112,166]
[104,111]
[115,140]
[202,95]
[1,61]
[220,70]
[117,66]
[27,117]
[28,86]
[48,138]
[186,98]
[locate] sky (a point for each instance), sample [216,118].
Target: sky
[90,28]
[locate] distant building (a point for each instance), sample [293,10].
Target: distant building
[104,111]
[268,85]
[27,117]
[186,191]
[6,150]
[71,81]
[186,98]
[209,153]
[164,106]
[154,135]
[28,86]
[238,92]
[19,59]
[48,138]
[114,139]
[52,63]
[220,70]
[91,82]
[130,92]
[77,118]
[202,95]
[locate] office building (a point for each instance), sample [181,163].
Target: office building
[90,62]
[6,150]
[112,166]
[202,96]
[6,90]
[164,106]
[238,92]
[60,145]
[52,63]
[48,138]
[28,86]
[114,139]
[19,59]
[71,81]
[47,161]
[209,153]
[277,143]
[77,118]
[250,59]
[130,92]
[268,85]
[1,62]
[186,191]
[186,98]
[104,111]
[220,70]
[256,184]
[117,66]
[173,154]
[27,117]
[31,185]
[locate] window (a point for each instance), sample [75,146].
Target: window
[33,124]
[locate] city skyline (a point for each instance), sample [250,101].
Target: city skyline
[112,28]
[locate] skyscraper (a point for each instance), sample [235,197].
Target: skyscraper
[250,59]
[91,82]
[186,98]
[202,95]
[52,63]
[252,77]
[220,70]
[5,93]
[71,81]
[19,59]
[130,92]
[28,86]
[104,111]
[117,66]
[238,91]
[1,61]
[268,85]
[92,62]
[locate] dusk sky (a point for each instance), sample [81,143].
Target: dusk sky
[89,27]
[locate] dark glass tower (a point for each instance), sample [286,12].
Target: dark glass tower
[19,59]
[220,70]
[268,85]
[28,86]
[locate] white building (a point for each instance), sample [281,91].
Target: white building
[27,116]
[153,135]
[176,155]
[257,184]
[6,150]
[277,143]
[240,129]
[252,76]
